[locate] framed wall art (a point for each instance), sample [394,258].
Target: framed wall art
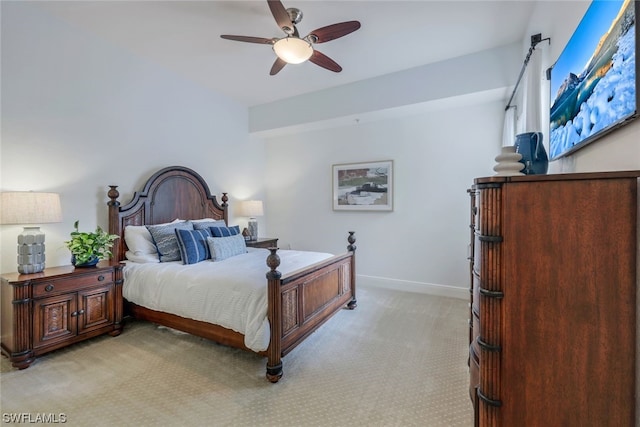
[366,186]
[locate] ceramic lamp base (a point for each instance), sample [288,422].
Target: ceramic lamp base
[30,250]
[253,229]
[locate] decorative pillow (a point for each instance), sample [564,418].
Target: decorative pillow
[140,243]
[193,245]
[164,237]
[225,231]
[205,224]
[226,247]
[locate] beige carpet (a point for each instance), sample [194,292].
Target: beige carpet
[399,359]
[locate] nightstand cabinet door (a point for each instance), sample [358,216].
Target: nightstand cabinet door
[54,320]
[95,308]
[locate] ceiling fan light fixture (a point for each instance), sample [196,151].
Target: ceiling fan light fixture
[293,50]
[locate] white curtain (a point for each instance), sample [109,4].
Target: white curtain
[509,127]
[530,118]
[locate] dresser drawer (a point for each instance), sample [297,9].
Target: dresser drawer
[56,286]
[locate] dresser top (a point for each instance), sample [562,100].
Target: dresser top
[559,177]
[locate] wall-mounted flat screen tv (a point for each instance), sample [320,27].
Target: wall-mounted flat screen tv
[594,81]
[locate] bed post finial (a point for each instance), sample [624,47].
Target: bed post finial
[351,239]
[273,261]
[225,208]
[113,195]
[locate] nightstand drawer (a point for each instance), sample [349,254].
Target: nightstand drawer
[52,287]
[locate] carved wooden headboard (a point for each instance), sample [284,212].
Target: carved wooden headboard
[173,192]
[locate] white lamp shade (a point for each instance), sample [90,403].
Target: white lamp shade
[251,208]
[293,50]
[27,207]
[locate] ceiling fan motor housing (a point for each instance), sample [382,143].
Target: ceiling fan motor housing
[295,14]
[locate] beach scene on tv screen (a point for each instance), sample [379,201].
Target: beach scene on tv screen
[593,83]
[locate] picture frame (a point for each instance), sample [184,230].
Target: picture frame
[363,186]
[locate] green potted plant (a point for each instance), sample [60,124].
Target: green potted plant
[89,248]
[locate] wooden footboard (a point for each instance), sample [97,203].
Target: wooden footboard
[303,300]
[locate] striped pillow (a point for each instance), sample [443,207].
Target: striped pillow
[193,245]
[200,224]
[225,231]
[164,237]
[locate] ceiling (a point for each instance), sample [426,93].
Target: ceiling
[184,37]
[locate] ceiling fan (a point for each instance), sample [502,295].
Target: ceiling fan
[293,49]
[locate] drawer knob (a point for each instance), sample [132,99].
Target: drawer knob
[49,287]
[100,278]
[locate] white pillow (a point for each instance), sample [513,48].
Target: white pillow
[142,259]
[205,220]
[139,241]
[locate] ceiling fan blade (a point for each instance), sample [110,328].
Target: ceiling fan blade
[277,66]
[248,39]
[282,17]
[324,61]
[332,32]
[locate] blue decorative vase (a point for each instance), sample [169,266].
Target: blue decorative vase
[93,261]
[534,156]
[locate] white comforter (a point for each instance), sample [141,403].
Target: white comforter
[230,293]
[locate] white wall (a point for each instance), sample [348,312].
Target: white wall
[79,114]
[422,244]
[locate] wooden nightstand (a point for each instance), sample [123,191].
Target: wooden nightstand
[45,311]
[262,242]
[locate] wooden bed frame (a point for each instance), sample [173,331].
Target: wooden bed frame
[298,303]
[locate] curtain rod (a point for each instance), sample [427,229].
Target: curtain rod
[535,39]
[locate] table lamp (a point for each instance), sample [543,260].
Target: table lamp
[252,209]
[26,207]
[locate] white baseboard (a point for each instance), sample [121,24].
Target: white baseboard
[409,286]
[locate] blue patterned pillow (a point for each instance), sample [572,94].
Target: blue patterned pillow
[226,247]
[193,245]
[164,237]
[225,231]
[200,225]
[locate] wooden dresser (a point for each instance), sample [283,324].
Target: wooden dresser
[554,304]
[45,311]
